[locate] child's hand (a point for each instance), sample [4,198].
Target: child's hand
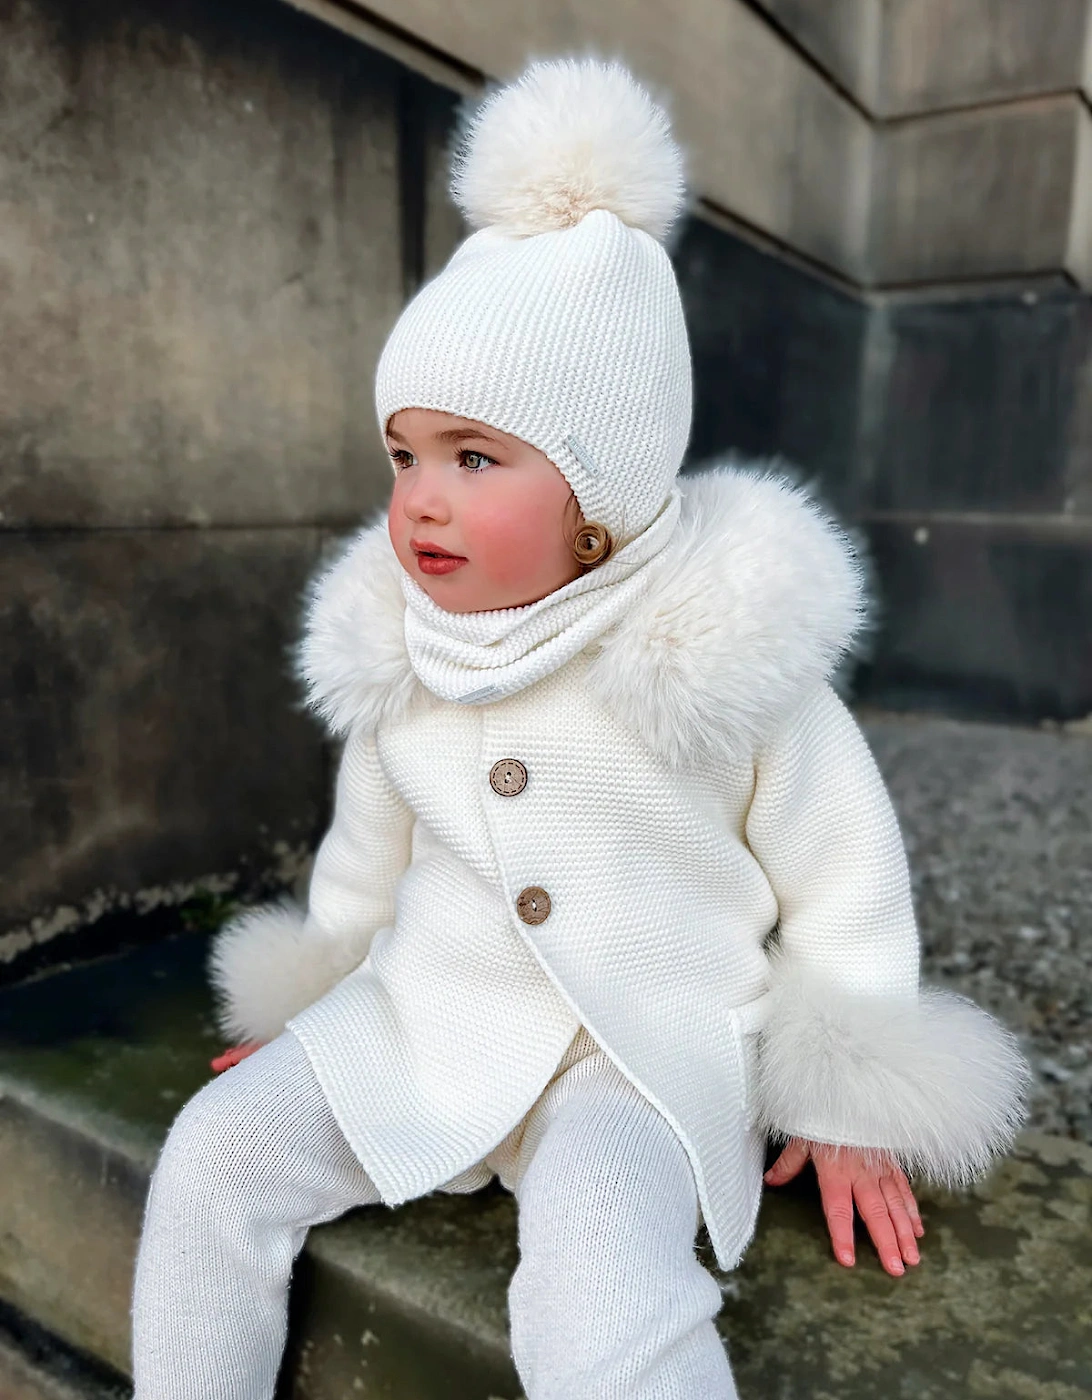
[882,1194]
[234,1054]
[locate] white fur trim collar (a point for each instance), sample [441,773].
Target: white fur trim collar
[754,602]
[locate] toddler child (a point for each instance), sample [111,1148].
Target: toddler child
[613,889]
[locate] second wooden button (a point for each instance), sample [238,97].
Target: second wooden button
[508,776]
[533,905]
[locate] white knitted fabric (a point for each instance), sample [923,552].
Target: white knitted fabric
[435,1046]
[692,781]
[478,657]
[560,320]
[251,1162]
[608,1301]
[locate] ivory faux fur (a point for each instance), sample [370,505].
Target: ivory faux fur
[717,650]
[570,136]
[266,964]
[935,1080]
[754,603]
[352,657]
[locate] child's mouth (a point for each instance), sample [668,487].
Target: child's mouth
[430,563]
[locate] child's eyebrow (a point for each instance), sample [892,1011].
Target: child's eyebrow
[462,434]
[449,435]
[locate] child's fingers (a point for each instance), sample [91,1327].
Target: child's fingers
[876,1216]
[907,1193]
[912,1207]
[233,1055]
[788,1164]
[836,1194]
[900,1218]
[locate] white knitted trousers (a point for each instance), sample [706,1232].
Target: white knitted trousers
[608,1302]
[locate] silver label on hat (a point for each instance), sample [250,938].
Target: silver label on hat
[582,455]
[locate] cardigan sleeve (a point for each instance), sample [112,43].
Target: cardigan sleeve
[853,1050]
[270,962]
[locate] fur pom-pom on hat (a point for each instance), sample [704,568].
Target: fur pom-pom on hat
[569,136]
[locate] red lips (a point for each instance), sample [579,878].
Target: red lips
[427,547]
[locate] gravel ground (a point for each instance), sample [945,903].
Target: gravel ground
[998,828]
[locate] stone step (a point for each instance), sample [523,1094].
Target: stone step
[410,1304]
[33,1366]
[21,1379]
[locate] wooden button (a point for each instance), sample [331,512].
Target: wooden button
[533,905]
[508,776]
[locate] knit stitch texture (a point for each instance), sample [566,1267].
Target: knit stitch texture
[694,784]
[608,1301]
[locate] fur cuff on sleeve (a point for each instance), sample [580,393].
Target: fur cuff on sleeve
[266,966]
[934,1080]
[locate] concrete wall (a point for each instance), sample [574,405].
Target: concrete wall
[777,361]
[981,143]
[210,217]
[801,116]
[768,139]
[975,469]
[984,193]
[952,428]
[971,453]
[200,257]
[201,249]
[901,58]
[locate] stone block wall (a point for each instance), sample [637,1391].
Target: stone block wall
[202,247]
[976,479]
[900,58]
[777,355]
[210,215]
[972,455]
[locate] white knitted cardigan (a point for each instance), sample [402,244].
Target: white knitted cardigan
[693,782]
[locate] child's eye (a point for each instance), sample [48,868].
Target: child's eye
[400,457]
[475,461]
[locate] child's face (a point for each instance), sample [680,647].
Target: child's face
[492,500]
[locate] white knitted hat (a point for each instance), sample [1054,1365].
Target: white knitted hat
[560,321]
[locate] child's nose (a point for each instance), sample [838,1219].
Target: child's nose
[425,498]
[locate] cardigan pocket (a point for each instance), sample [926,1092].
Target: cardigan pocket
[747,1021]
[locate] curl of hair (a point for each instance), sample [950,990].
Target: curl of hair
[591,542]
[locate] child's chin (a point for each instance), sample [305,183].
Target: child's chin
[445,594]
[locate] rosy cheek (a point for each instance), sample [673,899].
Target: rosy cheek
[510,559]
[510,539]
